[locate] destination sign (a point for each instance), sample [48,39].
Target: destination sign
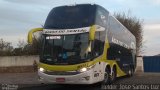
[71,31]
[65,31]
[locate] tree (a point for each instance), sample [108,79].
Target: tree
[32,49]
[135,26]
[36,47]
[19,50]
[5,48]
[21,44]
[27,49]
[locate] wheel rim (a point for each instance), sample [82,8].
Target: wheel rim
[106,77]
[130,72]
[113,76]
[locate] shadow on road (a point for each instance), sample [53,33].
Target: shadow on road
[60,87]
[121,80]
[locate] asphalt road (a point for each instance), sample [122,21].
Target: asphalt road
[28,81]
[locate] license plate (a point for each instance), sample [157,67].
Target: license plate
[60,79]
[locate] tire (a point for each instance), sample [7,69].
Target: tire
[130,71]
[106,78]
[113,75]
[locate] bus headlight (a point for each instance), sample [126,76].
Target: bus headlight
[41,69]
[84,69]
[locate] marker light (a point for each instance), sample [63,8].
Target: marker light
[41,69]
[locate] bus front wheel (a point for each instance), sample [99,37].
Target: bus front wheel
[106,77]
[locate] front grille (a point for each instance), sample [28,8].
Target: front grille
[61,72]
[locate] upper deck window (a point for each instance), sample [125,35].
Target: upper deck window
[70,17]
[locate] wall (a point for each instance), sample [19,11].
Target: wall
[139,67]
[23,63]
[151,64]
[8,61]
[18,64]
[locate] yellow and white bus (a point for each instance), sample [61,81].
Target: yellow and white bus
[84,44]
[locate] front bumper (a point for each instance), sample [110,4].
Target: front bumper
[86,77]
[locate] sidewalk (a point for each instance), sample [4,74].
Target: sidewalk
[19,78]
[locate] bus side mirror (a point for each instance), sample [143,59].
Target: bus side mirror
[31,32]
[92,33]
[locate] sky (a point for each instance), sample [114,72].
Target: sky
[17,17]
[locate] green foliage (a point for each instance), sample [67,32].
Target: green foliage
[5,48]
[27,49]
[23,49]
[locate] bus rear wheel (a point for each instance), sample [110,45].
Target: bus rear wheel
[113,75]
[130,71]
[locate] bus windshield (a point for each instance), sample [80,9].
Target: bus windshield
[70,17]
[65,49]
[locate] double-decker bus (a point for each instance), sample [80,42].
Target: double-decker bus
[84,44]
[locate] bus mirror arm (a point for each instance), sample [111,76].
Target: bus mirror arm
[30,34]
[92,33]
